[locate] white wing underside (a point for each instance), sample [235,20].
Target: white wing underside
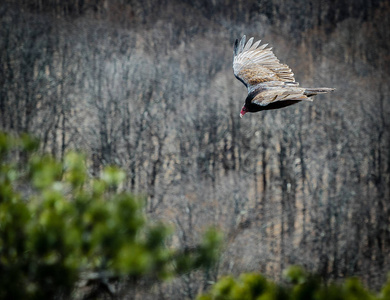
[250,58]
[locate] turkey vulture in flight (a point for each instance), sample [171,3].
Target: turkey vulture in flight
[271,85]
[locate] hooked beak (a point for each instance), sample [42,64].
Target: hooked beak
[243,111]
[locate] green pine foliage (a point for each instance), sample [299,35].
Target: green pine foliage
[57,223]
[298,286]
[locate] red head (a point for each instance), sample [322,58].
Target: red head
[244,110]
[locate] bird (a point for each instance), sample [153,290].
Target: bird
[270,84]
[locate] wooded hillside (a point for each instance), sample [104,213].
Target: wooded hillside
[148,86]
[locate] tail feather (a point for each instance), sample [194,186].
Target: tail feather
[314,91]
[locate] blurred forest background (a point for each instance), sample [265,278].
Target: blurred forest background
[148,86]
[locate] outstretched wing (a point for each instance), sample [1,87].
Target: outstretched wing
[284,92]
[253,65]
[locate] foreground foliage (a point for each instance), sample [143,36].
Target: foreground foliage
[301,286]
[59,226]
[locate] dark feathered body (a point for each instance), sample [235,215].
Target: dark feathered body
[252,107]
